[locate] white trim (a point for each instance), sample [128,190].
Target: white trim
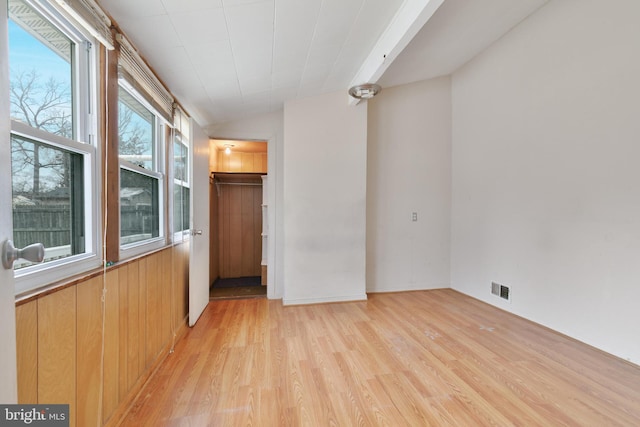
[159,147]
[305,301]
[26,131]
[140,248]
[124,164]
[85,116]
[37,276]
[410,18]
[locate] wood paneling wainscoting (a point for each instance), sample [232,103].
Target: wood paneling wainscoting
[236,212]
[60,336]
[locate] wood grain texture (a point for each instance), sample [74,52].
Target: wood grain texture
[111,385]
[239,229]
[416,358]
[154,307]
[57,350]
[214,238]
[59,336]
[27,352]
[135,332]
[89,350]
[112,161]
[238,162]
[166,320]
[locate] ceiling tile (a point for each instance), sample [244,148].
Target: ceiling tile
[280,95]
[180,6]
[225,59]
[217,75]
[226,90]
[287,78]
[144,34]
[250,56]
[372,20]
[228,3]
[201,26]
[255,84]
[250,21]
[126,9]
[173,58]
[335,21]
[296,22]
[214,54]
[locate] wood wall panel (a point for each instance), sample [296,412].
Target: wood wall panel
[59,336]
[167,294]
[214,238]
[234,244]
[248,230]
[239,162]
[255,216]
[123,330]
[239,228]
[111,345]
[135,335]
[263,163]
[89,350]
[153,308]
[57,350]
[27,349]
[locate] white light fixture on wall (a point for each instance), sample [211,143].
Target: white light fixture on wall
[227,149]
[365,91]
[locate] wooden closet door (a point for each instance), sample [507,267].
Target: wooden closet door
[240,226]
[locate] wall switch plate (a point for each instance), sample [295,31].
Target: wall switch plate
[414,216]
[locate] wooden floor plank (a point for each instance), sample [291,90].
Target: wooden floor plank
[416,358]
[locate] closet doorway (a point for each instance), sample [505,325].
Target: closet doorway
[238,219]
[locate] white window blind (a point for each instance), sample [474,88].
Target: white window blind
[139,75]
[90,16]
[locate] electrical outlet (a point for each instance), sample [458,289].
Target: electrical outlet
[414,216]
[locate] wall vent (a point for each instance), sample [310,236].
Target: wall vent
[500,290]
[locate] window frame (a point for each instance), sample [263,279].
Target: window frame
[160,125]
[85,96]
[179,137]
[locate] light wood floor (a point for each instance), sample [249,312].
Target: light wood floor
[404,359]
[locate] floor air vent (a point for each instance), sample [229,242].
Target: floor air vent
[500,290]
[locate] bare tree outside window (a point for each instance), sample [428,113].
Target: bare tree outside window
[135,131]
[47,179]
[41,105]
[133,138]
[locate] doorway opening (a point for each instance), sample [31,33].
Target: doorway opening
[238,264]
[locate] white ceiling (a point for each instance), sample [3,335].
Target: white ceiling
[229,59]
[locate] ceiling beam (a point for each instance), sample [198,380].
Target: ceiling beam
[409,19]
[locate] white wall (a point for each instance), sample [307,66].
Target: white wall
[325,167]
[268,127]
[409,170]
[546,173]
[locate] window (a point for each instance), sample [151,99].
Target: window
[140,146]
[181,190]
[53,155]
